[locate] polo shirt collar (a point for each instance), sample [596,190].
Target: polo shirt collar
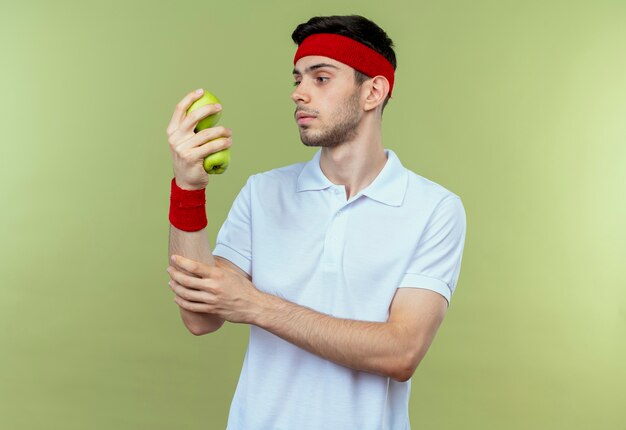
[389,187]
[311,177]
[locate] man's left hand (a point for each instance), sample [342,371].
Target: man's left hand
[214,290]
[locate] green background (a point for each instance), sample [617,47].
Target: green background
[517,107]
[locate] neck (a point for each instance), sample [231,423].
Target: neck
[355,163]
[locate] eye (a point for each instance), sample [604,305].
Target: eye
[322,79]
[296,83]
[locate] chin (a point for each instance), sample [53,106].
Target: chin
[322,140]
[321,144]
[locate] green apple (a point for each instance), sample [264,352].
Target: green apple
[206,99]
[217,162]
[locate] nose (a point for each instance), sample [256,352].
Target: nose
[300,93]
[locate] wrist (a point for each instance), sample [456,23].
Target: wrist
[269,311]
[266,309]
[187,208]
[187,187]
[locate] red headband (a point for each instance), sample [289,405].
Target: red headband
[348,51]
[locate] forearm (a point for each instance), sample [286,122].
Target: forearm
[194,245]
[373,347]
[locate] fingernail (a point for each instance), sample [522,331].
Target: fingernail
[199,91]
[173,258]
[218,106]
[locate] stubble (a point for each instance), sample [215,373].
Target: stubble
[347,118]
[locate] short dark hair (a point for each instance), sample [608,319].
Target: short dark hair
[355,27]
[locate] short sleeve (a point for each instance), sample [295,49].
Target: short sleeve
[436,263]
[234,240]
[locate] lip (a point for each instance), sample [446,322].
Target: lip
[304,118]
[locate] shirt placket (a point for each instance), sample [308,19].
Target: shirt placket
[336,232]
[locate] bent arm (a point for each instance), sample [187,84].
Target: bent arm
[393,348]
[374,347]
[194,245]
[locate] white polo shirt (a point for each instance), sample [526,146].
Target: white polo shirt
[299,238]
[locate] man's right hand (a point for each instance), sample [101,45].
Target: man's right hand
[189,149]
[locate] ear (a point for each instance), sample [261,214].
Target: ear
[377,90]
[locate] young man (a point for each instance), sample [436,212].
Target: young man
[343,265]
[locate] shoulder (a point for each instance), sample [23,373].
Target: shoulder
[426,192]
[421,195]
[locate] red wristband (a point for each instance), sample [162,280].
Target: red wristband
[187,211]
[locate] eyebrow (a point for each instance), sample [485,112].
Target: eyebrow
[314,67]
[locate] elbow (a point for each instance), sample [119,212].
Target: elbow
[405,369]
[197,331]
[201,330]
[403,374]
[201,326]
[402,377]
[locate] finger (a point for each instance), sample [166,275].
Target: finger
[206,135]
[192,306]
[181,108]
[185,280]
[211,147]
[190,294]
[192,266]
[193,118]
